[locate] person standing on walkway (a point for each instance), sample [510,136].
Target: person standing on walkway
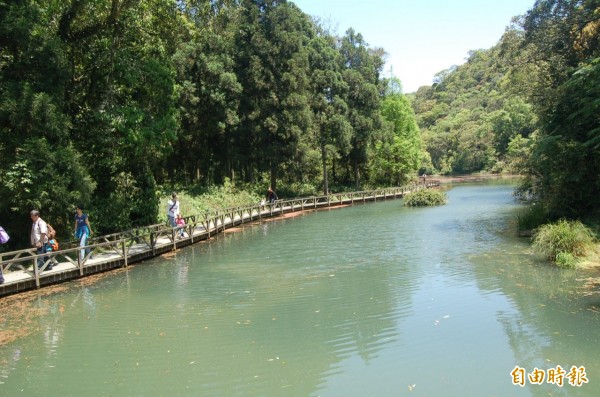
[83,230]
[39,238]
[3,240]
[271,196]
[172,210]
[180,222]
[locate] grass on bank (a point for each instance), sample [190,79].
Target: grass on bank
[565,243]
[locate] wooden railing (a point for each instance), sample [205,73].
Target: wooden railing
[120,249]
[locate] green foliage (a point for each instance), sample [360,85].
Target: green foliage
[562,56]
[425,197]
[397,153]
[102,102]
[469,116]
[564,242]
[213,198]
[534,216]
[565,260]
[565,164]
[361,74]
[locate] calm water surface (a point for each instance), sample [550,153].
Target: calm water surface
[369,300]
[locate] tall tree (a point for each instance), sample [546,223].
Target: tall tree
[362,66]
[122,93]
[273,68]
[40,167]
[209,95]
[397,154]
[331,127]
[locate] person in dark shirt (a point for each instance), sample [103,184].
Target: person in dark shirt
[271,196]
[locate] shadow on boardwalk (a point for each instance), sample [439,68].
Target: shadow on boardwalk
[120,249]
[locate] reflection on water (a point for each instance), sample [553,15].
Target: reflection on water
[370,300]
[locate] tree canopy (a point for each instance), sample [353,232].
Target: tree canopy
[108,103]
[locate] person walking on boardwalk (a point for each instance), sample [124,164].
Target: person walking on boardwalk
[39,238]
[83,230]
[271,195]
[172,210]
[3,240]
[180,222]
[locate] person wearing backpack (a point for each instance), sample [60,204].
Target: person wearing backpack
[3,240]
[39,238]
[83,230]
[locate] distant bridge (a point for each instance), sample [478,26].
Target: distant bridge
[121,249]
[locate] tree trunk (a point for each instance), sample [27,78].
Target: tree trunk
[324,160]
[273,176]
[356,175]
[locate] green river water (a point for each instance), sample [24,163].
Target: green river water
[369,300]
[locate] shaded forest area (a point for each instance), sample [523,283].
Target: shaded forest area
[112,103]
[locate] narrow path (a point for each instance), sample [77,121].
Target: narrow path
[120,249]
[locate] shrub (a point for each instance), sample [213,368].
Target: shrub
[564,242]
[565,259]
[425,197]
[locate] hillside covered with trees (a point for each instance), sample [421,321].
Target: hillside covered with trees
[529,105]
[111,103]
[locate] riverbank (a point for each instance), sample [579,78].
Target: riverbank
[588,262]
[446,179]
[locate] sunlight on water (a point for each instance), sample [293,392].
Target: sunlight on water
[370,300]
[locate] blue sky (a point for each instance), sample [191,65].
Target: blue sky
[421,37]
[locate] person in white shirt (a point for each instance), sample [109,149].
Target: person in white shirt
[39,238]
[172,209]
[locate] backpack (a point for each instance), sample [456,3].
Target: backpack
[53,244]
[51,232]
[3,236]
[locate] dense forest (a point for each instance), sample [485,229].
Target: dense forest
[108,103]
[529,105]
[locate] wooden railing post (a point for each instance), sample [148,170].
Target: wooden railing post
[79,262]
[124,247]
[36,273]
[153,243]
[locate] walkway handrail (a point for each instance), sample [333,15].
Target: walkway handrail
[209,217]
[155,239]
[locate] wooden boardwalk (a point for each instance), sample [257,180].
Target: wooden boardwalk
[121,249]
